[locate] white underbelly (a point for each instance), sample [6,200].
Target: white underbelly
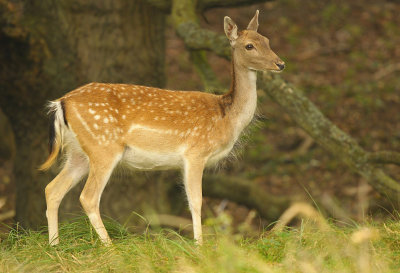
[149,160]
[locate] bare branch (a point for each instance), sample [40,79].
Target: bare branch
[203,68]
[303,209]
[164,5]
[202,5]
[183,15]
[327,134]
[209,4]
[384,157]
[387,70]
[197,38]
[245,193]
[7,215]
[169,221]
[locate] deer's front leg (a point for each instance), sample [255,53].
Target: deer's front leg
[193,173]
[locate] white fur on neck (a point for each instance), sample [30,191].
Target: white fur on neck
[245,103]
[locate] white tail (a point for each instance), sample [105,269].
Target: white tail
[101,125]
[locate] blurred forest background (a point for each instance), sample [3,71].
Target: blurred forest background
[343,55]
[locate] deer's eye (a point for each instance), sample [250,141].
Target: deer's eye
[249,46]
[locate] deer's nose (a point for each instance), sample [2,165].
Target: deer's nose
[281,66]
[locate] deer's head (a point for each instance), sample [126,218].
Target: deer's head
[250,49]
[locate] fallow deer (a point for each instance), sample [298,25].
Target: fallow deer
[100,125]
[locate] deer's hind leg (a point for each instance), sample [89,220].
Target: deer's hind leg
[75,168]
[101,167]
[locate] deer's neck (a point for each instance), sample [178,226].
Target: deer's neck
[241,100]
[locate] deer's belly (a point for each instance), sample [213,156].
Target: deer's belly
[151,160]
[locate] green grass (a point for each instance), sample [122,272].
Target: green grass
[308,248]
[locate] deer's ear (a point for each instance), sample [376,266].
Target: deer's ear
[253,25]
[230,30]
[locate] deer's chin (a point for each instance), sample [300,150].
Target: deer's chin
[268,69]
[272,70]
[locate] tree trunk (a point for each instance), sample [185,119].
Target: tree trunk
[7,142]
[49,47]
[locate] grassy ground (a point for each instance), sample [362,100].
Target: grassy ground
[314,246]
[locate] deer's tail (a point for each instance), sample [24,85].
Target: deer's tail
[57,124]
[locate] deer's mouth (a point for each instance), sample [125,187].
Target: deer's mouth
[276,70]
